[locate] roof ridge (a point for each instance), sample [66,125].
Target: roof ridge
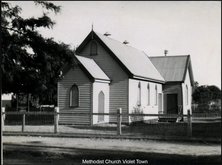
[118,41]
[169,56]
[126,53]
[126,56]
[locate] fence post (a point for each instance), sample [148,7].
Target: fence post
[119,121]
[3,119]
[23,121]
[56,120]
[189,124]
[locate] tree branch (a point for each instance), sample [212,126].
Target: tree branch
[12,29]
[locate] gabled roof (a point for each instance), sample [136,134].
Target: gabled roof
[173,68]
[135,62]
[93,69]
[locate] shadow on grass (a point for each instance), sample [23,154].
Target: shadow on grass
[164,129]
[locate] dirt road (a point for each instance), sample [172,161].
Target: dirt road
[27,155]
[75,150]
[180,148]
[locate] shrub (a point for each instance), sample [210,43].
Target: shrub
[137,110]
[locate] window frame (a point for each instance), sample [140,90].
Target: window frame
[186,95]
[139,94]
[156,95]
[148,94]
[92,51]
[72,90]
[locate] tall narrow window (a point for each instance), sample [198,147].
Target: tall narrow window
[187,95]
[101,106]
[155,94]
[93,48]
[74,96]
[139,94]
[148,94]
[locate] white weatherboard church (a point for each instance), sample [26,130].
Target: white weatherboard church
[112,75]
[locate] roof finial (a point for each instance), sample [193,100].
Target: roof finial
[92,30]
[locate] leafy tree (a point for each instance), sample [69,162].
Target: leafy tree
[205,95]
[215,93]
[30,62]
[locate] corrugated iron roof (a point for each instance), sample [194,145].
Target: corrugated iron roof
[136,61]
[172,68]
[91,66]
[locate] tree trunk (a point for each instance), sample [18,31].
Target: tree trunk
[17,100]
[28,102]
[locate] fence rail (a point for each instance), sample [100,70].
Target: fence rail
[86,113]
[185,127]
[123,114]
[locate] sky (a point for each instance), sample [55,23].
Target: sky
[181,27]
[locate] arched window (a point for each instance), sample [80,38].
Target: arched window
[139,94]
[155,94]
[101,106]
[93,48]
[148,94]
[187,96]
[74,96]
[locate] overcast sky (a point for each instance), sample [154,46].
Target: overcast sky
[181,27]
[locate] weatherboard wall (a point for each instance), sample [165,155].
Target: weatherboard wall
[75,76]
[118,97]
[148,105]
[187,83]
[97,88]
